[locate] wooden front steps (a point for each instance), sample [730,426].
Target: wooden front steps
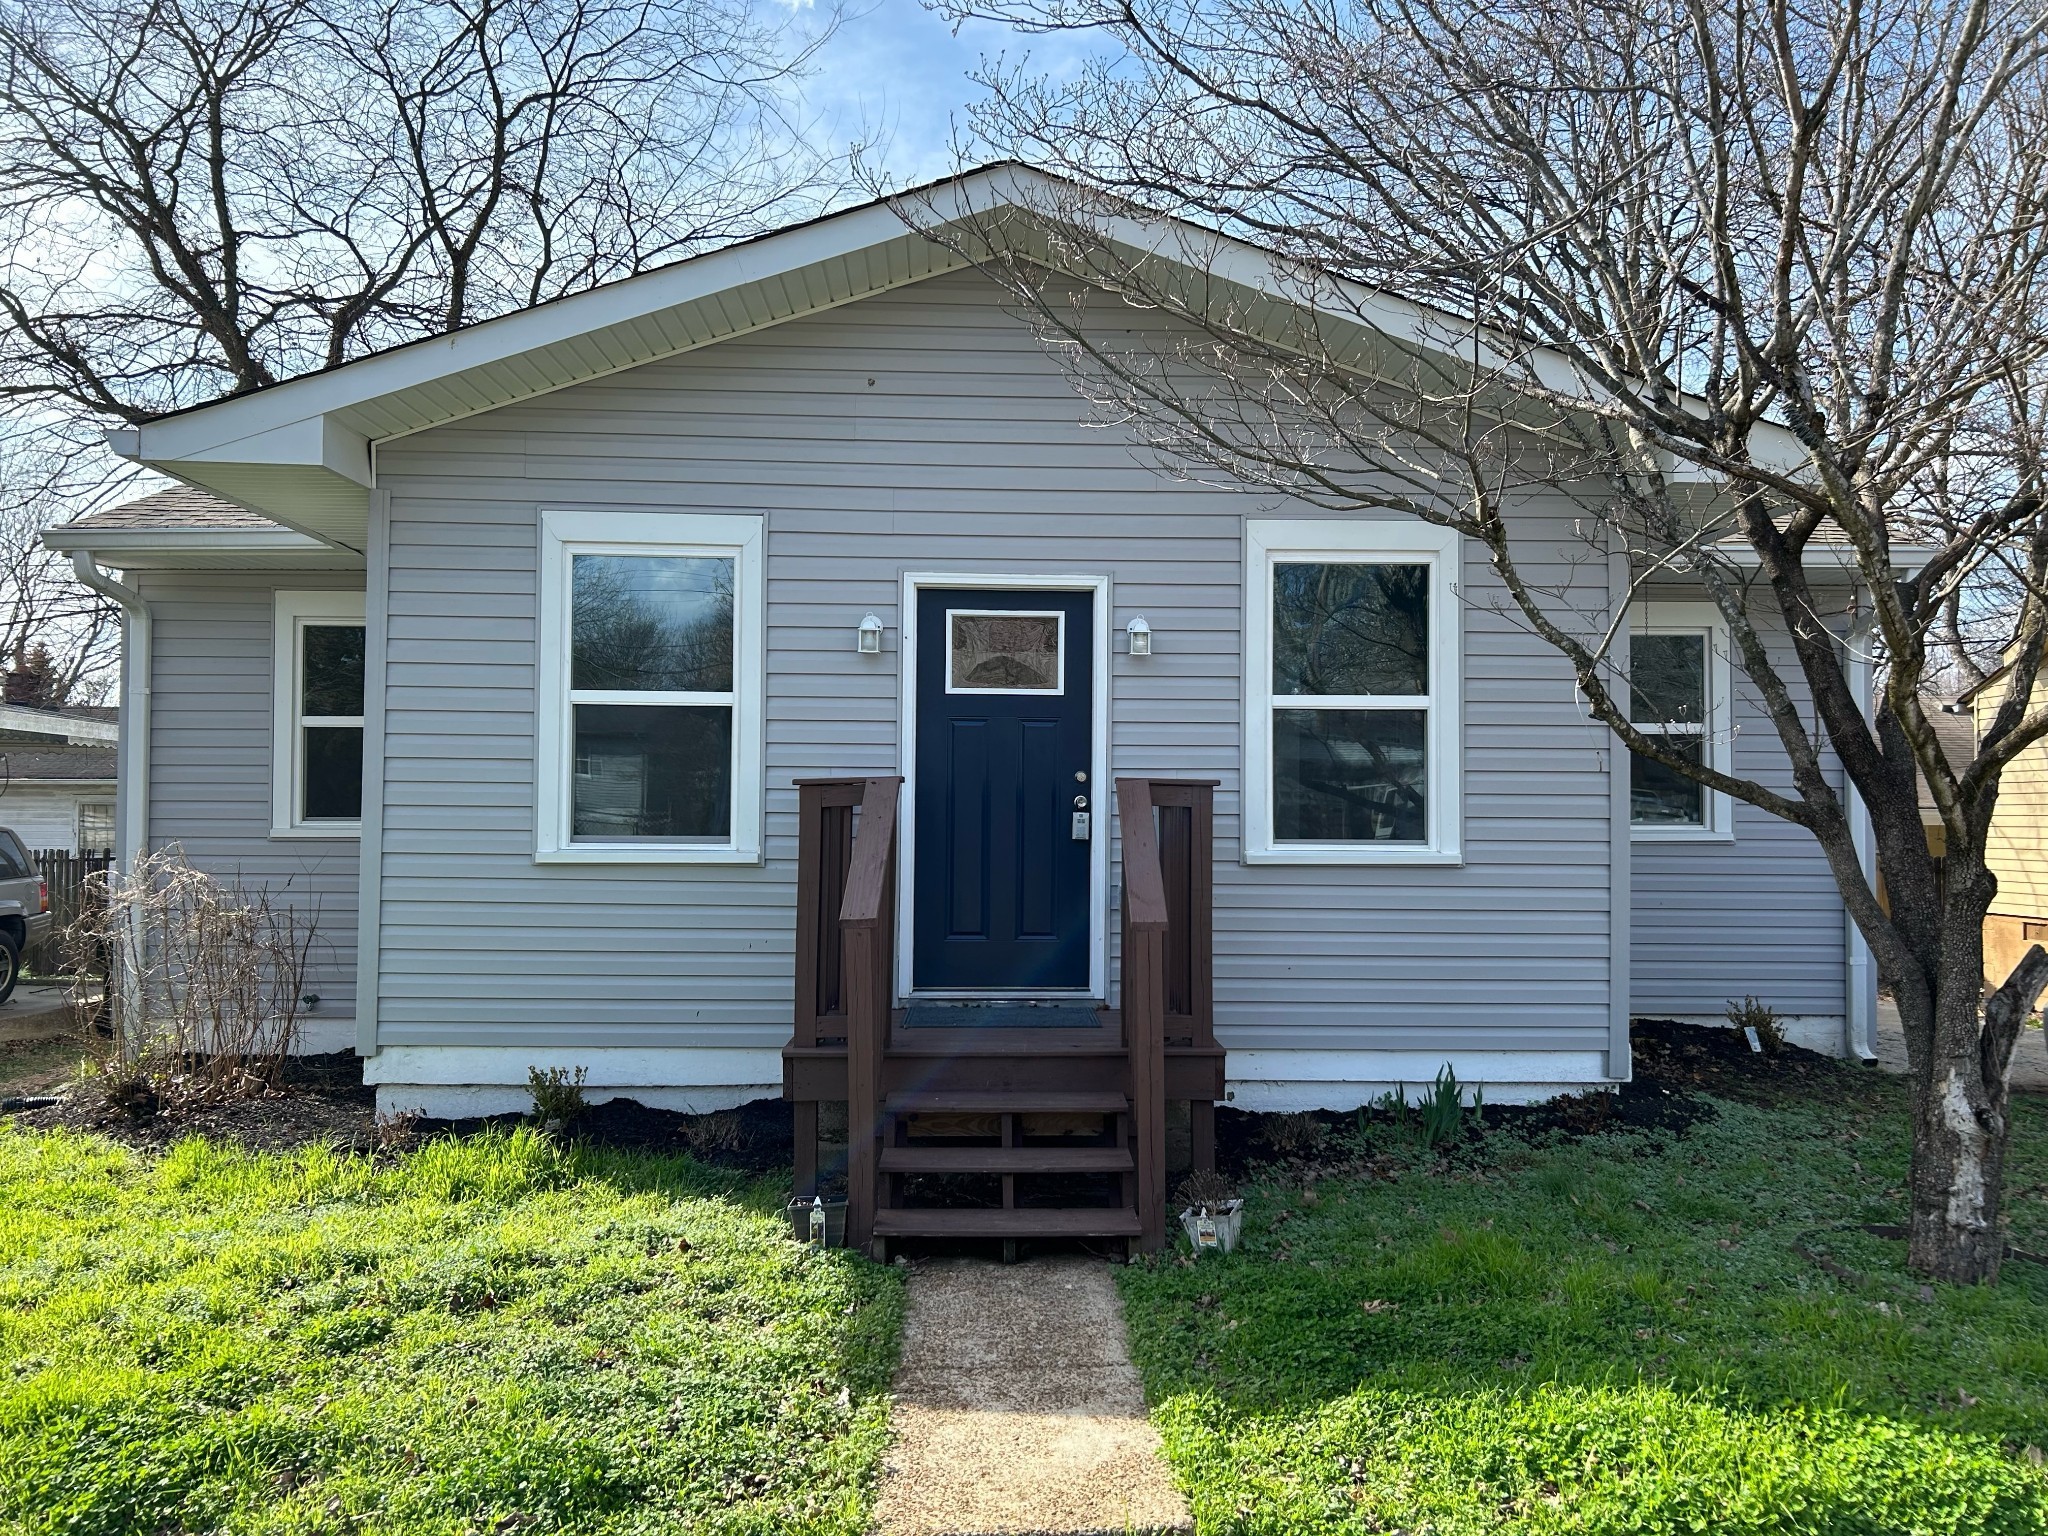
[984,1083]
[1109,1221]
[1007,1160]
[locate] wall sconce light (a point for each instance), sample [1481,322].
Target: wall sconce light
[1141,636]
[868,641]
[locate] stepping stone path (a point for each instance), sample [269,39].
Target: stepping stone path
[1018,1409]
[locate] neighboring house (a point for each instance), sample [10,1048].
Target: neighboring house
[514,652]
[2017,849]
[57,776]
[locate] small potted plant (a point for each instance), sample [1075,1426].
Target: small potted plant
[1211,1213]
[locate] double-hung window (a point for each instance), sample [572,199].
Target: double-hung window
[1679,693]
[1352,712]
[317,715]
[650,688]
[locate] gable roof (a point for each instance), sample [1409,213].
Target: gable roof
[300,451]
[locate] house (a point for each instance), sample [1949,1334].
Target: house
[679,679]
[2016,851]
[57,776]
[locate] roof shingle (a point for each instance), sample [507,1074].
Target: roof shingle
[180,506]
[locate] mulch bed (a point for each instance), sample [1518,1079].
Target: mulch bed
[1676,1068]
[324,1101]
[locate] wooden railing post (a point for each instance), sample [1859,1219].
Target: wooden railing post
[867,927]
[1145,921]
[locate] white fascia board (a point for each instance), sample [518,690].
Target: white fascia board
[112,543]
[249,418]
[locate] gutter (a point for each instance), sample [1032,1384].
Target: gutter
[133,790]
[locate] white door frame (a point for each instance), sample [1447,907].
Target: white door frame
[1099,787]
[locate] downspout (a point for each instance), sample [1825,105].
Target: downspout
[136,668]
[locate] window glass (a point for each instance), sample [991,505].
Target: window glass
[1003,652]
[654,772]
[1350,629]
[1663,797]
[1350,775]
[1668,679]
[652,623]
[96,826]
[331,670]
[14,859]
[332,756]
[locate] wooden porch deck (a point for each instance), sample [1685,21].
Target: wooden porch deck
[1035,1117]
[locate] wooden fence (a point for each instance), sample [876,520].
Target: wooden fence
[65,871]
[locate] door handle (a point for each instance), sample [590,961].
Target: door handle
[1080,802]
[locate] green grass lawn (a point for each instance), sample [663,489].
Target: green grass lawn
[1617,1334]
[490,1335]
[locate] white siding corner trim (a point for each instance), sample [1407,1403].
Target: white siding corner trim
[294,612]
[1660,616]
[567,532]
[1396,540]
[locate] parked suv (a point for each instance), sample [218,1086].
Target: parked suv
[24,908]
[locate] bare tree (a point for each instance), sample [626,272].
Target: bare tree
[199,197]
[1744,278]
[41,607]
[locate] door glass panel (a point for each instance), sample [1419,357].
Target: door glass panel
[1003,652]
[652,623]
[1350,775]
[662,773]
[1342,629]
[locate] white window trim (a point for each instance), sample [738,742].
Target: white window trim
[1660,616]
[1407,541]
[293,612]
[569,531]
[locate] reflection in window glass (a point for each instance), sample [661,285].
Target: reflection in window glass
[1663,797]
[1350,629]
[332,768]
[1668,679]
[652,623]
[1003,652]
[652,773]
[331,674]
[1350,775]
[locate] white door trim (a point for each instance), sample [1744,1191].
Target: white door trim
[1098,763]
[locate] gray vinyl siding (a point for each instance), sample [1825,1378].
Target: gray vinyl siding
[1759,915]
[210,759]
[925,429]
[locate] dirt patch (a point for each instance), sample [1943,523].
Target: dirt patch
[324,1102]
[1679,1068]
[759,1137]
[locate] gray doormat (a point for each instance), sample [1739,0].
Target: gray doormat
[1001,1016]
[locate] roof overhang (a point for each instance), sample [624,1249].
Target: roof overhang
[302,452]
[226,549]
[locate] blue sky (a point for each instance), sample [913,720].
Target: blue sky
[895,77]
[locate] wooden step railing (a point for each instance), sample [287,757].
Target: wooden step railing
[1168,967]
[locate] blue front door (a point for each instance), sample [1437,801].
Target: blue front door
[1004,712]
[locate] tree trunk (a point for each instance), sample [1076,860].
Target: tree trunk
[1959,1124]
[1960,1046]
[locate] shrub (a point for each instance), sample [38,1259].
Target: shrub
[557,1095]
[205,983]
[1751,1013]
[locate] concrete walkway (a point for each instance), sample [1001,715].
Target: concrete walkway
[2029,1057]
[1018,1409]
